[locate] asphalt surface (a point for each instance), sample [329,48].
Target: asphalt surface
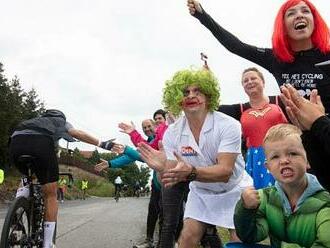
[99,222]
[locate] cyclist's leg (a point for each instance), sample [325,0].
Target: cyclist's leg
[47,173]
[51,209]
[191,233]
[50,201]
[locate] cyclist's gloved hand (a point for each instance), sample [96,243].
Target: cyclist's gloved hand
[107,145]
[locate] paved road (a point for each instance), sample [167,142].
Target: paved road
[100,222]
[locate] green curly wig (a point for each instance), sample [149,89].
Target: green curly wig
[203,79]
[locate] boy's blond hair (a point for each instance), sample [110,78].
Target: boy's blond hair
[281,131]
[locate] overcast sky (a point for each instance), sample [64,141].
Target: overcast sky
[106,61]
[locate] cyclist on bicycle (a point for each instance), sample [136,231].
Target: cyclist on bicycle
[37,137]
[118,183]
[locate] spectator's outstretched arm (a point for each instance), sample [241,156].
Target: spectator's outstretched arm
[129,129]
[103,165]
[120,161]
[137,138]
[128,156]
[133,154]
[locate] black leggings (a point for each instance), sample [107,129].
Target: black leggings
[153,211]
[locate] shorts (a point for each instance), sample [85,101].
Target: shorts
[42,148]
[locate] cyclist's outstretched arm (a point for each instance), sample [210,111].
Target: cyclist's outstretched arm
[88,138]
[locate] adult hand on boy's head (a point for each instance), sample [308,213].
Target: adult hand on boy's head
[250,198]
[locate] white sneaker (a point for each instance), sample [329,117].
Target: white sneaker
[145,244]
[23,191]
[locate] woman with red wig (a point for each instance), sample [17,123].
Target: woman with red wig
[301,39]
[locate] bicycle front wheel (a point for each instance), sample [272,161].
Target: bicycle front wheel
[16,228]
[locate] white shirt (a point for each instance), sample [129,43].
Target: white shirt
[118,180]
[211,203]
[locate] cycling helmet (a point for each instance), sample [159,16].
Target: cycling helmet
[54,113]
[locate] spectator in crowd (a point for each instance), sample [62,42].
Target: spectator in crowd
[310,117]
[84,187]
[2,176]
[297,209]
[202,147]
[61,188]
[256,117]
[301,39]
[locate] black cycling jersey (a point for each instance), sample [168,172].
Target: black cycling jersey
[302,73]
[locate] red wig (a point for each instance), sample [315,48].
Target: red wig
[320,35]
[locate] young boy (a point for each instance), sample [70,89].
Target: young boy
[297,209]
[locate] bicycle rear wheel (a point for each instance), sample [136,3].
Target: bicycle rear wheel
[16,228]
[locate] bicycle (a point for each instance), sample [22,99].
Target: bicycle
[117,191]
[23,226]
[117,196]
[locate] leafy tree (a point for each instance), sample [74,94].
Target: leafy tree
[4,92]
[77,155]
[144,175]
[15,106]
[95,158]
[107,155]
[32,106]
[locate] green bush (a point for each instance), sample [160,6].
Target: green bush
[101,189]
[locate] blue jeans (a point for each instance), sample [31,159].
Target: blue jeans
[172,203]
